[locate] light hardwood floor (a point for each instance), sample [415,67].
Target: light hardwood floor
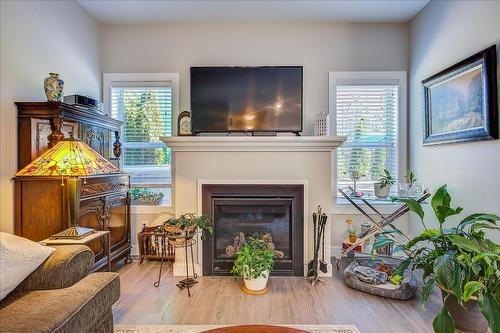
[218,300]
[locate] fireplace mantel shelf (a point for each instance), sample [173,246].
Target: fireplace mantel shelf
[250,143]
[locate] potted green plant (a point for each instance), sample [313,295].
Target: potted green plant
[460,260]
[143,196]
[185,226]
[382,188]
[351,231]
[254,261]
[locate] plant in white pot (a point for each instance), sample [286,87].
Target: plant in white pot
[254,261]
[382,188]
[460,261]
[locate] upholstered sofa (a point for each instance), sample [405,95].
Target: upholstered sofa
[61,296]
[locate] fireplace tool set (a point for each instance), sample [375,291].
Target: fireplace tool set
[319,224]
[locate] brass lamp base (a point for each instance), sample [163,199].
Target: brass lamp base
[76,232]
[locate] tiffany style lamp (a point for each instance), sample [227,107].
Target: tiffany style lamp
[70,159]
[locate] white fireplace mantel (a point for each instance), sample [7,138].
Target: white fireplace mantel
[252,143]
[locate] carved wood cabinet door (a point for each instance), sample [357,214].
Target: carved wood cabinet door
[92,215]
[119,221]
[97,138]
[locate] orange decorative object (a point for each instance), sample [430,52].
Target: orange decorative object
[69,157]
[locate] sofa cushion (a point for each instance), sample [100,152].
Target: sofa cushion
[66,266]
[19,257]
[73,309]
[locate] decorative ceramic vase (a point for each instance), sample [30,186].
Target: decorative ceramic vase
[352,238]
[53,87]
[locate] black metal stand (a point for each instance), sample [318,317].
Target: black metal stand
[188,282]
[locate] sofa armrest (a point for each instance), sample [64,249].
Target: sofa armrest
[66,266]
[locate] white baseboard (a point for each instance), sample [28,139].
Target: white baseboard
[179,269]
[134,251]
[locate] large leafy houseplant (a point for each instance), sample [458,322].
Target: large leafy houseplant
[460,260]
[253,259]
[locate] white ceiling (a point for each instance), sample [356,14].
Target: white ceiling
[155,11]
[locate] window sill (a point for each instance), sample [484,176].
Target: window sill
[150,210]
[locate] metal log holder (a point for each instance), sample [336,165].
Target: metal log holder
[384,221]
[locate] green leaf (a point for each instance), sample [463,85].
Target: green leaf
[457,283]
[491,311]
[485,255]
[444,269]
[464,243]
[413,205]
[482,225]
[452,231]
[444,322]
[403,265]
[387,232]
[426,235]
[443,212]
[470,288]
[440,198]
[487,245]
[471,219]
[381,241]
[427,289]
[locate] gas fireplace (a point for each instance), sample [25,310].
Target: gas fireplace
[272,213]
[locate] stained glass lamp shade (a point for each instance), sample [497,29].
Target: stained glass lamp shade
[70,159]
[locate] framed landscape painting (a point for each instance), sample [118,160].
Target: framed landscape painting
[460,102]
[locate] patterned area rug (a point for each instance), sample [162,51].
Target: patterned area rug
[202,328]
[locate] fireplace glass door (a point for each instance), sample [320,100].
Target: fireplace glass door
[237,219]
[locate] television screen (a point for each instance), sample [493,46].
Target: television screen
[246,99]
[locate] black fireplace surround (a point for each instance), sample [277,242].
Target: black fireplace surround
[273,213]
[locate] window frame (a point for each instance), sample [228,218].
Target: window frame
[340,205]
[154,79]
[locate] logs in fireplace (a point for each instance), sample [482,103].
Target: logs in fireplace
[273,213]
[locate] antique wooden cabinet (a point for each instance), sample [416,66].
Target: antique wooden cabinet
[40,125]
[41,205]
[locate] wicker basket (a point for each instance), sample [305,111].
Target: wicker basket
[174,231]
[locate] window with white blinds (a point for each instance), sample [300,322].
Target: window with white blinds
[146,110]
[367,107]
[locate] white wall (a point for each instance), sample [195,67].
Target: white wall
[38,37]
[442,34]
[319,47]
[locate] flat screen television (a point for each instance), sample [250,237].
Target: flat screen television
[246,99]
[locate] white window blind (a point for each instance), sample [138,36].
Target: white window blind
[146,110]
[368,115]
